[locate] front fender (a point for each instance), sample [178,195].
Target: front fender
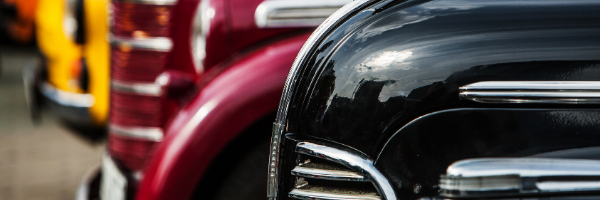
[244,92]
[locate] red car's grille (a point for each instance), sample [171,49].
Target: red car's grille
[136,110]
[137,65]
[132,153]
[139,20]
[139,50]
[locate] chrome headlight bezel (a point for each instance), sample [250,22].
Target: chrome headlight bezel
[200,28]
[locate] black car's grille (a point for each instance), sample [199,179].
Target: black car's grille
[328,173]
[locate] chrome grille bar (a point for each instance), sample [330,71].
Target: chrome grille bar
[320,193]
[143,133]
[155,44]
[328,174]
[149,89]
[355,162]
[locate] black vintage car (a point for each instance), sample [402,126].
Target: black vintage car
[446,99]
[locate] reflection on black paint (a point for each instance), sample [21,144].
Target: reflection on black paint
[389,66]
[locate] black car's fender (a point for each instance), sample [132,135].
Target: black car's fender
[387,63]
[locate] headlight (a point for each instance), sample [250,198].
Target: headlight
[73,20]
[200,28]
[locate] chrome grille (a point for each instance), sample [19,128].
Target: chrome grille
[329,173]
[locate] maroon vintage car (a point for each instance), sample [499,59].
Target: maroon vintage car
[194,89]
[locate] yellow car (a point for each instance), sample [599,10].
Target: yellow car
[73,80]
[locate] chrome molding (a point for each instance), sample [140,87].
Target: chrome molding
[272,188]
[64,98]
[144,133]
[559,92]
[149,89]
[501,176]
[327,174]
[154,44]
[353,161]
[150,2]
[320,194]
[295,13]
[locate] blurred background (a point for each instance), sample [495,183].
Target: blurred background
[43,161]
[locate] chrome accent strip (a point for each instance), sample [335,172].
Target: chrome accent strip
[154,43]
[328,174]
[150,89]
[561,92]
[144,133]
[150,2]
[64,98]
[274,160]
[295,13]
[316,194]
[496,176]
[352,161]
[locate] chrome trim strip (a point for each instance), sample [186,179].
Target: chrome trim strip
[561,92]
[315,194]
[352,161]
[286,96]
[327,174]
[150,89]
[145,133]
[155,43]
[150,2]
[64,98]
[501,176]
[272,187]
[295,13]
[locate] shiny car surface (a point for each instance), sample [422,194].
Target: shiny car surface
[194,88]
[72,80]
[386,95]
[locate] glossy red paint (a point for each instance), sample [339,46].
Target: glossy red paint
[241,93]
[182,17]
[245,33]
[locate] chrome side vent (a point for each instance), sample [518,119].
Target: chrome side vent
[329,173]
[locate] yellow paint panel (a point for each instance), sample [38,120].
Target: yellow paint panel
[60,52]
[96,52]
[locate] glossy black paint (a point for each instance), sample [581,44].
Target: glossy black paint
[397,60]
[420,152]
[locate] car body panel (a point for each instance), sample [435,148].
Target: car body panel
[60,52]
[244,91]
[422,150]
[404,61]
[384,81]
[64,59]
[96,53]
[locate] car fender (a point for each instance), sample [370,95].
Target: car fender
[242,92]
